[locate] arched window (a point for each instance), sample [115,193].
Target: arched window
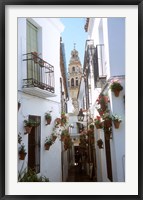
[72,82]
[76,81]
[73,69]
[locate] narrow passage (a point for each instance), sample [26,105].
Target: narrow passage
[76,174]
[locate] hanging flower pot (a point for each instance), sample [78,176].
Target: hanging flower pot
[116,124]
[99,125]
[103,107]
[48,121]
[62,138]
[116,120]
[57,121]
[35,56]
[28,124]
[100,144]
[54,137]
[22,152]
[22,156]
[116,93]
[48,117]
[47,146]
[116,87]
[48,143]
[28,129]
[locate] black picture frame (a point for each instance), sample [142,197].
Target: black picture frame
[3,3]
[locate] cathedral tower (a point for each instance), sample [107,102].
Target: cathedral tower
[74,76]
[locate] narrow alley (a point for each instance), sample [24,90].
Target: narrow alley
[71,118]
[76,174]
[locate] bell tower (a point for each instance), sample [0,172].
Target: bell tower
[74,76]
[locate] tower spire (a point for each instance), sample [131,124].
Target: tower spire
[74,45]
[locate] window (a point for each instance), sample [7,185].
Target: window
[73,69]
[76,81]
[32,46]
[72,82]
[39,72]
[34,139]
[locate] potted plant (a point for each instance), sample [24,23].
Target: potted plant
[57,122]
[64,134]
[98,122]
[48,117]
[100,143]
[28,124]
[67,143]
[63,119]
[35,56]
[116,87]
[91,126]
[22,152]
[107,120]
[100,111]
[53,136]
[116,120]
[48,143]
[102,100]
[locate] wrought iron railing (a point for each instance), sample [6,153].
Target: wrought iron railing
[39,73]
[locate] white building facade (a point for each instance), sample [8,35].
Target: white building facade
[104,63]
[39,92]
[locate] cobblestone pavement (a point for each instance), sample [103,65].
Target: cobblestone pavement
[78,175]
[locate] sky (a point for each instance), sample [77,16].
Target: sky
[74,33]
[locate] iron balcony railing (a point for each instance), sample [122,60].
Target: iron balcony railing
[39,73]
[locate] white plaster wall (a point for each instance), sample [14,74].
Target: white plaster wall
[73,120]
[113,38]
[81,94]
[116,39]
[35,106]
[118,141]
[49,47]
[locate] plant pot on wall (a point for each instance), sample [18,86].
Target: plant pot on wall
[54,137]
[48,121]
[47,146]
[116,93]
[116,124]
[100,144]
[99,126]
[22,155]
[28,129]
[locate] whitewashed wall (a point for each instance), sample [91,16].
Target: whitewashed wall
[49,49]
[111,33]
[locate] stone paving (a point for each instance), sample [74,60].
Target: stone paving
[78,175]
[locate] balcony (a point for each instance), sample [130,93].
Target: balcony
[40,77]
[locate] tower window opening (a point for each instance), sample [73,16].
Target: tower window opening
[76,81]
[73,69]
[72,82]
